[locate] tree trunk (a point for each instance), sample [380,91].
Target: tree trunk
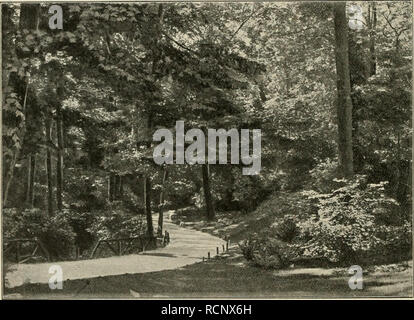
[31,175]
[155,60]
[111,187]
[27,185]
[117,187]
[373,60]
[9,177]
[121,187]
[29,16]
[344,104]
[16,153]
[207,192]
[161,206]
[49,165]
[60,151]
[147,202]
[29,19]
[371,64]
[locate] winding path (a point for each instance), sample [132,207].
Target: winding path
[187,246]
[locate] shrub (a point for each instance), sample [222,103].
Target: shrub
[345,227]
[353,224]
[265,252]
[286,230]
[322,177]
[55,232]
[117,224]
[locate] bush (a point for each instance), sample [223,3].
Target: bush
[286,230]
[355,223]
[345,227]
[117,224]
[55,232]
[322,177]
[265,251]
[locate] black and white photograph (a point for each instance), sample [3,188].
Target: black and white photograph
[206,150]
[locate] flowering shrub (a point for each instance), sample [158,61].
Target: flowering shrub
[345,226]
[354,223]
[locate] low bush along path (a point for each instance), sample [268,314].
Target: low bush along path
[187,246]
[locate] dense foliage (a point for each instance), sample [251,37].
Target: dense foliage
[80,106]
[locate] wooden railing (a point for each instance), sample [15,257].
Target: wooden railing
[39,250]
[119,246]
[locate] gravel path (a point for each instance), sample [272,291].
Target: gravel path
[187,246]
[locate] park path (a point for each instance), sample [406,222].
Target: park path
[187,246]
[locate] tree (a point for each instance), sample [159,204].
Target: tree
[18,79]
[344,103]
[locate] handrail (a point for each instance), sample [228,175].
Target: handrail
[18,244]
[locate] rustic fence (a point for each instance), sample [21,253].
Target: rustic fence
[25,250]
[34,246]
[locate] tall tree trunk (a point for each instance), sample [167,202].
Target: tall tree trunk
[9,177]
[147,201]
[60,151]
[27,185]
[111,187]
[147,185]
[29,19]
[29,16]
[6,42]
[121,187]
[155,60]
[31,175]
[161,206]
[207,192]
[373,60]
[117,187]
[344,103]
[49,165]
[16,154]
[371,64]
